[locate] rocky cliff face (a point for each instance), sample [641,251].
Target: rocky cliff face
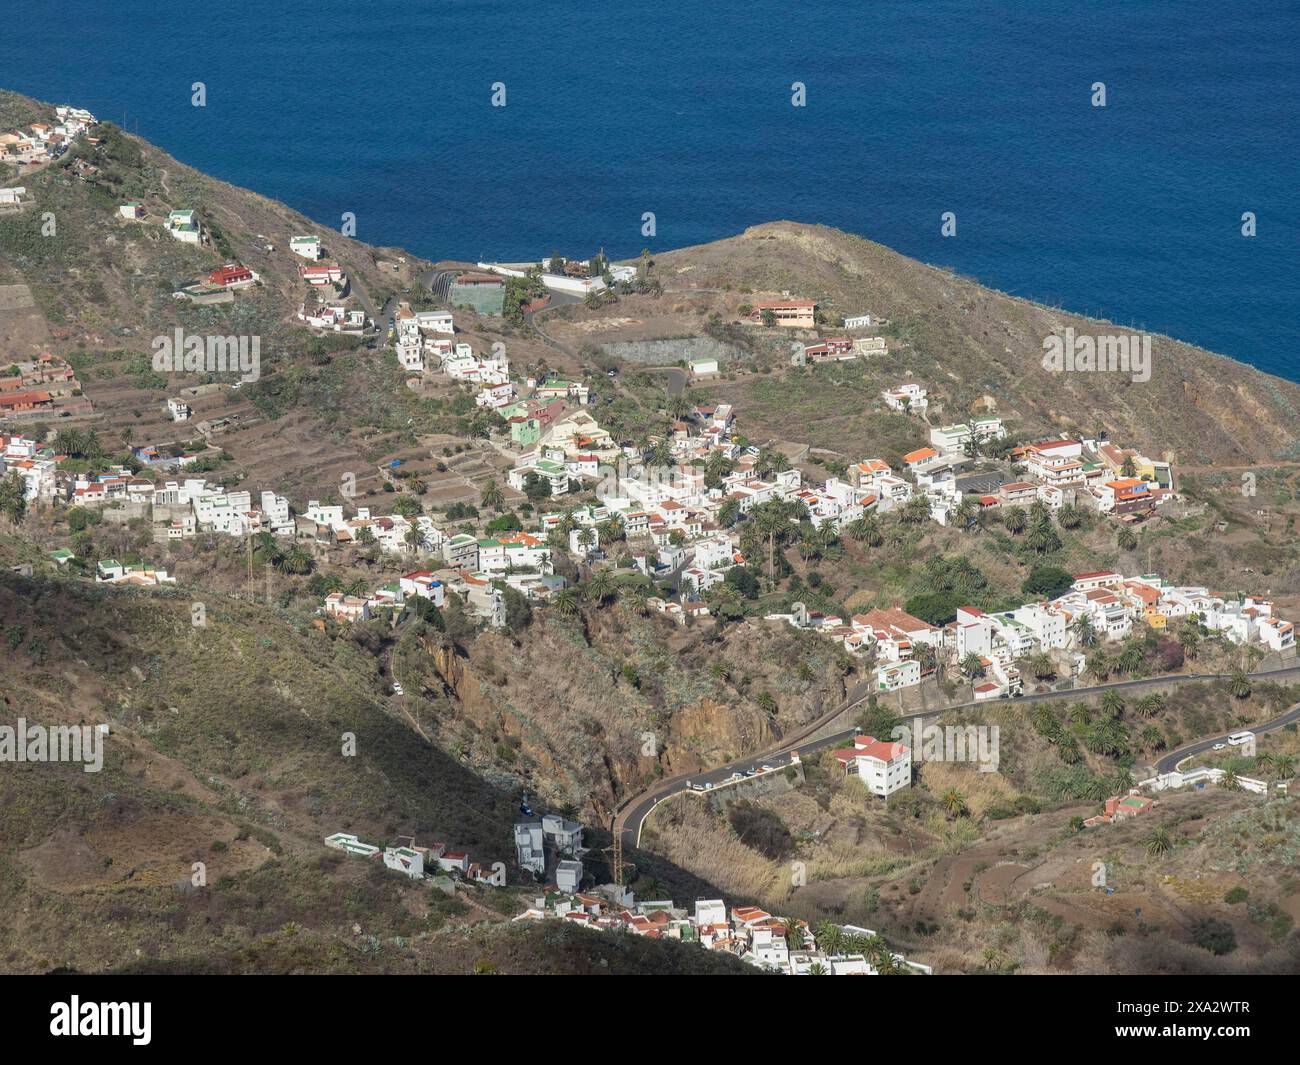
[589,713]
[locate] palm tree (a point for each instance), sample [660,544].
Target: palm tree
[915,511]
[954,803]
[1044,720]
[1230,780]
[491,495]
[1112,730]
[1153,739]
[607,532]
[1041,537]
[641,599]
[414,538]
[830,938]
[1239,684]
[1150,705]
[296,561]
[807,548]
[1041,666]
[1068,751]
[1100,665]
[1096,789]
[1113,703]
[878,953]
[1080,714]
[1084,631]
[1132,658]
[586,537]
[967,513]
[1014,520]
[793,935]
[818,969]
[1159,843]
[565,602]
[1126,540]
[678,406]
[13,497]
[971,666]
[770,522]
[601,587]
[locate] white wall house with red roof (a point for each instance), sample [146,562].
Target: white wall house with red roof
[884,767]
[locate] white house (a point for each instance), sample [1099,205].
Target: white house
[405,860]
[349,844]
[306,246]
[906,397]
[184,226]
[568,875]
[883,767]
[434,322]
[423,583]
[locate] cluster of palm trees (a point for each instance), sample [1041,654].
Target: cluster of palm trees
[80,444]
[600,589]
[834,940]
[295,561]
[1040,534]
[773,523]
[1275,766]
[604,533]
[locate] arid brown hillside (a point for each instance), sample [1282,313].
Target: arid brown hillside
[965,342]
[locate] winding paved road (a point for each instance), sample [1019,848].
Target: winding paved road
[1169,762]
[630,817]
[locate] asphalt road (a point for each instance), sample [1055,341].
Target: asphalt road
[1169,762]
[631,816]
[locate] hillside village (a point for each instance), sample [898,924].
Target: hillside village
[551,847]
[675,513]
[698,521]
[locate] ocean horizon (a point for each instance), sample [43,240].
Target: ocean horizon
[1131,212]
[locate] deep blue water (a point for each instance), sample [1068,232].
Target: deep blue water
[683,108]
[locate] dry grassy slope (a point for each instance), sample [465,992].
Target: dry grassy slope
[969,341]
[105,282]
[225,748]
[1021,882]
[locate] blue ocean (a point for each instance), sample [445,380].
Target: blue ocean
[984,109]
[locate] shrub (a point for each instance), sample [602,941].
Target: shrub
[1214,935]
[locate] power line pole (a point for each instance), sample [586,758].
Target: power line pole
[618,858]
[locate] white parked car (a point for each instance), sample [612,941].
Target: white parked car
[1219,747]
[398,689]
